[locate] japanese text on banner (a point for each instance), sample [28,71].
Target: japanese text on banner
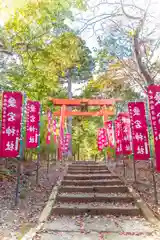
[11,123]
[139,130]
[118,136]
[126,133]
[32,124]
[101,139]
[154,103]
[65,146]
[110,133]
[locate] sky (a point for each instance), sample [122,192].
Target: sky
[96,10]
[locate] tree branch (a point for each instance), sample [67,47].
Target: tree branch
[136,48]
[126,14]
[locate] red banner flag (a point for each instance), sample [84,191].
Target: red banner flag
[126,133]
[110,133]
[0,144]
[54,130]
[67,138]
[32,124]
[49,117]
[118,136]
[139,130]
[11,123]
[154,103]
[101,139]
[61,132]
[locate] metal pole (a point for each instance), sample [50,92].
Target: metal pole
[37,172]
[78,152]
[48,163]
[134,170]
[20,152]
[6,163]
[154,181]
[124,170]
[38,148]
[18,182]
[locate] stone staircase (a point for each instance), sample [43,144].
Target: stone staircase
[90,188]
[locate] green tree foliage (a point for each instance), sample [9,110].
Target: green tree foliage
[85,136]
[37,49]
[111,84]
[40,47]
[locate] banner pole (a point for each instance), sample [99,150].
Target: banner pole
[124,168]
[154,181]
[38,148]
[18,181]
[134,169]
[48,163]
[20,151]
[151,159]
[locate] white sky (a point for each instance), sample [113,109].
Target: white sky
[102,8]
[96,8]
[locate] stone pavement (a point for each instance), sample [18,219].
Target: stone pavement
[97,228]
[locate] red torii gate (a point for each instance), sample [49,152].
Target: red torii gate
[63,103]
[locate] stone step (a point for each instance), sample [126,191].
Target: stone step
[91,182]
[88,172]
[96,209]
[90,177]
[85,163]
[94,198]
[94,189]
[87,167]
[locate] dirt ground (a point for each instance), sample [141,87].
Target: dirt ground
[15,221]
[144,178]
